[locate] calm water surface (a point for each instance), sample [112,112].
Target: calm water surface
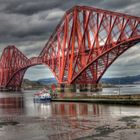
[124,89]
[21,119]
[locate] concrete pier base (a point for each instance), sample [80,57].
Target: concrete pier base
[66,88]
[79,87]
[95,87]
[60,87]
[90,87]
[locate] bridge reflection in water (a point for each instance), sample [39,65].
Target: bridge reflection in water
[11,105]
[73,109]
[68,120]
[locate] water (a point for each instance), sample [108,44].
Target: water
[124,89]
[21,119]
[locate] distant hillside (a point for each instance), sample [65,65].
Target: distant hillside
[122,80]
[28,84]
[47,81]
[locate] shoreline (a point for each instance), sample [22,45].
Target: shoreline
[104,99]
[101,101]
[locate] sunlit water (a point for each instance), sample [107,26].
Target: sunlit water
[22,119]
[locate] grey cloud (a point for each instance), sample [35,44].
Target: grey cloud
[42,22]
[29,7]
[33,50]
[132,9]
[38,72]
[130,57]
[117,4]
[25,28]
[122,71]
[21,26]
[126,65]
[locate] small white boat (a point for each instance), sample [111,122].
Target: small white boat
[42,97]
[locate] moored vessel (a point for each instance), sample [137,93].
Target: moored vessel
[43,96]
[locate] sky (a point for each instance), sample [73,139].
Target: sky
[28,24]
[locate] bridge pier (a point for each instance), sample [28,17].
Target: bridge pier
[95,87]
[90,87]
[66,88]
[79,87]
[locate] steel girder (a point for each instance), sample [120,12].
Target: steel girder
[11,60]
[85,43]
[80,49]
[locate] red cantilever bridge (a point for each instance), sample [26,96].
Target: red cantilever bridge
[85,43]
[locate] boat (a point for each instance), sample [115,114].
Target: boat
[43,96]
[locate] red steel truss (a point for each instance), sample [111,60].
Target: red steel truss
[85,43]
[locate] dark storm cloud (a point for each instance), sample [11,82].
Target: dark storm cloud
[29,23]
[21,25]
[25,19]
[29,7]
[17,28]
[118,4]
[28,19]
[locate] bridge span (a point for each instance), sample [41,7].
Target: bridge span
[83,46]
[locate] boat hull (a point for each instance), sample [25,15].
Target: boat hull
[38,100]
